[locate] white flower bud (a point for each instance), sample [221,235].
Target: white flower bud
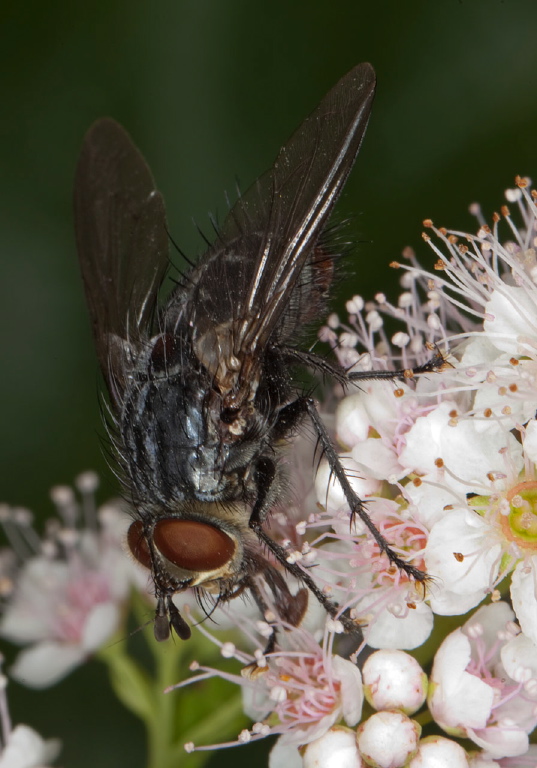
[335,749]
[388,739]
[394,680]
[440,752]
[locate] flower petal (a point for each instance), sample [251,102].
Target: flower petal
[352,691]
[523,596]
[46,663]
[459,552]
[26,749]
[100,624]
[404,633]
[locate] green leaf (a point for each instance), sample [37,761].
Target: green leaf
[131,684]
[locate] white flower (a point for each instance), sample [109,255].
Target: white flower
[458,699]
[26,749]
[21,746]
[329,491]
[349,563]
[306,687]
[475,543]
[463,555]
[482,687]
[510,317]
[66,612]
[464,457]
[523,596]
[386,414]
[68,600]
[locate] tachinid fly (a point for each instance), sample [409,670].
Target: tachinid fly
[201,386]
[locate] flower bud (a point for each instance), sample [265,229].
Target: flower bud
[394,680]
[335,749]
[388,739]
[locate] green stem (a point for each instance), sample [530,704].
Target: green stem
[161,730]
[424,718]
[142,692]
[169,667]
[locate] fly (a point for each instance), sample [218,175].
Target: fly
[202,394]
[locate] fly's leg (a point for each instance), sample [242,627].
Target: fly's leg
[434,365]
[265,482]
[326,367]
[291,608]
[356,505]
[303,405]
[263,610]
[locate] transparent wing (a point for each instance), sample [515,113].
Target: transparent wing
[289,206]
[122,242]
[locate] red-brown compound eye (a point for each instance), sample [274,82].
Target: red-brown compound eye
[138,544]
[192,545]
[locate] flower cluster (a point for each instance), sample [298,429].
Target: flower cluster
[65,594]
[482,687]
[446,465]
[449,463]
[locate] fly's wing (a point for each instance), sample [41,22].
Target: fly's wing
[288,207]
[122,242]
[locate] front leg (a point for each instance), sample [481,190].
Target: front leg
[291,608]
[356,505]
[266,484]
[326,367]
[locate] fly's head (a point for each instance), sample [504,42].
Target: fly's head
[182,552]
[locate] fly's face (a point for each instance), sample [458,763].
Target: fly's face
[186,553]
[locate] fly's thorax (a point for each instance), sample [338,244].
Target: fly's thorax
[202,545]
[183,440]
[173,453]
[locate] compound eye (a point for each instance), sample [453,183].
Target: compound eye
[138,544]
[192,545]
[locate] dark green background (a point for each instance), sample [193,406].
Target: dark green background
[210,90]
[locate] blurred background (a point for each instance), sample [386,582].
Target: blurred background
[210,90]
